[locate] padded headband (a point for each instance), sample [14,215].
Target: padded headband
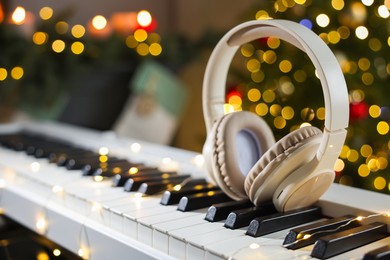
[329,71]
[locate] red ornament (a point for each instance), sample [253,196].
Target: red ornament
[358,111]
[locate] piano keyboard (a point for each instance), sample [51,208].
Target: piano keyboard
[54,181]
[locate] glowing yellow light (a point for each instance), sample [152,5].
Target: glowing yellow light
[58,46]
[382,163]
[275,110]
[344,32]
[227,109]
[144,18]
[247,50]
[142,49]
[382,127]
[364,64]
[300,76]
[57,189]
[269,96]
[177,187]
[135,147]
[333,37]
[3,74]
[375,44]
[352,155]
[254,246]
[320,113]
[62,27]
[56,252]
[383,11]
[83,252]
[287,113]
[338,4]
[17,73]
[99,22]
[339,165]
[279,122]
[140,35]
[42,255]
[40,38]
[131,42]
[133,170]
[103,158]
[322,20]
[361,32]
[366,150]
[269,57]
[78,31]
[254,95]
[235,101]
[379,183]
[77,48]
[306,236]
[35,166]
[359,218]
[98,178]
[46,13]
[19,15]
[262,109]
[285,66]
[257,76]
[155,49]
[41,225]
[367,78]
[103,150]
[367,2]
[262,14]
[116,170]
[307,114]
[253,65]
[273,42]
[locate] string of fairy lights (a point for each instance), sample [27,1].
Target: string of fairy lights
[274,82]
[136,29]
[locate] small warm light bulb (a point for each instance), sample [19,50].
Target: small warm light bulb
[56,252]
[359,218]
[35,166]
[19,15]
[99,22]
[133,170]
[83,252]
[103,150]
[254,246]
[57,189]
[144,18]
[98,178]
[387,215]
[135,147]
[177,187]
[41,225]
[199,160]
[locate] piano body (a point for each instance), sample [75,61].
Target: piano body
[97,221]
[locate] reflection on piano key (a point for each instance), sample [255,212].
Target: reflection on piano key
[381,253]
[343,241]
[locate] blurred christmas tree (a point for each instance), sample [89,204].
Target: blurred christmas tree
[279,82]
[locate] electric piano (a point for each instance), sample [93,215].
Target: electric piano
[103,197]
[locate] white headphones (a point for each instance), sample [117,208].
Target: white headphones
[240,152]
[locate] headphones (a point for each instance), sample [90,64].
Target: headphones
[240,152]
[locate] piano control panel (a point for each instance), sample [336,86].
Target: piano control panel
[101,196]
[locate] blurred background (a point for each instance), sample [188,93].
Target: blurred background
[136,66]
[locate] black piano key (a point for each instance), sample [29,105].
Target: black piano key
[282,220]
[202,200]
[154,187]
[172,196]
[242,217]
[63,158]
[221,211]
[295,237]
[119,168]
[89,168]
[132,182]
[382,253]
[344,241]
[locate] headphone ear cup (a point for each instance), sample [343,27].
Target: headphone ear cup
[289,153]
[233,146]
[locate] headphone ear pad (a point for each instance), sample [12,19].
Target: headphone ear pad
[288,154]
[234,145]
